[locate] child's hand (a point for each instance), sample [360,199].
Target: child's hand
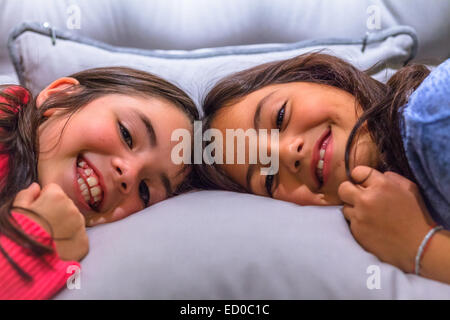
[387,215]
[59,215]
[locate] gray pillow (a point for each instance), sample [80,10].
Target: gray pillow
[224,245]
[42,54]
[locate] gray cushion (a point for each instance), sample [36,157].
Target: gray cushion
[39,59]
[169,24]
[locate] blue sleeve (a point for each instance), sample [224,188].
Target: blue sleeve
[426,138]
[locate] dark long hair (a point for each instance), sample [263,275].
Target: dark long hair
[380,103]
[19,125]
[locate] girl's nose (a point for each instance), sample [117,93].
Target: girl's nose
[290,154]
[125,175]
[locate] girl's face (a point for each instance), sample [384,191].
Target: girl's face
[114,156]
[310,118]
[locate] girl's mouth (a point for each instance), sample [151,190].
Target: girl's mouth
[322,157]
[89,184]
[320,163]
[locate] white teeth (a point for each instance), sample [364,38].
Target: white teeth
[92,181]
[85,194]
[95,191]
[82,185]
[90,189]
[320,164]
[322,153]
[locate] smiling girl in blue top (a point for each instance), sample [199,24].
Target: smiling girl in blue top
[347,139]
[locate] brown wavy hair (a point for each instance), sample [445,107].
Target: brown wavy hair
[19,133]
[380,102]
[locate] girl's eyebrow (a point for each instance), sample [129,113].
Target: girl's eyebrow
[256,124]
[154,142]
[149,128]
[261,104]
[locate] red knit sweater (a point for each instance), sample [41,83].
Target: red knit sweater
[49,273]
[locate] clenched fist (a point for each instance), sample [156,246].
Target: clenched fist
[59,216]
[387,215]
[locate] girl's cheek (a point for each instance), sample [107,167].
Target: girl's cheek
[100,135]
[118,213]
[49,134]
[127,209]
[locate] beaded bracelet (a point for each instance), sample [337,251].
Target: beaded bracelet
[422,247]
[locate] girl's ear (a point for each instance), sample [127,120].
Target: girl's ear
[55,87]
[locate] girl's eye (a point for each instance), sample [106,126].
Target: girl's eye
[280,116]
[279,124]
[144,193]
[126,136]
[269,184]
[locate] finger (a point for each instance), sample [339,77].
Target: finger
[399,180]
[27,196]
[349,192]
[75,249]
[366,176]
[53,188]
[348,211]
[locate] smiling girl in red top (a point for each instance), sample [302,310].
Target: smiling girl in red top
[91,148]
